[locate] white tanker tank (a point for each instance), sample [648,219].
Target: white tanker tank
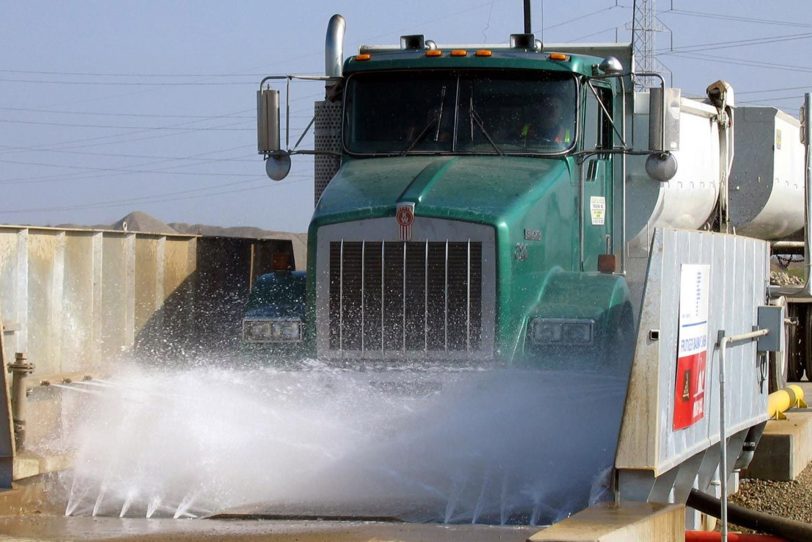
[767,179]
[765,196]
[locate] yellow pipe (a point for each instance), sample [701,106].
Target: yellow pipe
[782,400]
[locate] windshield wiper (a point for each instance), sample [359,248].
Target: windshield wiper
[420,136]
[475,118]
[436,119]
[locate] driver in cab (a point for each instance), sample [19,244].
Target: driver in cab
[546,125]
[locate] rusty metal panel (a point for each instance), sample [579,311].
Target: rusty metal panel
[45,279]
[6,433]
[76,299]
[171,328]
[95,348]
[79,308]
[9,286]
[179,264]
[115,295]
[148,280]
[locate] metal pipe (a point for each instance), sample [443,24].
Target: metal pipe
[334,46]
[527,24]
[287,114]
[723,342]
[403,299]
[20,370]
[363,291]
[581,221]
[341,299]
[795,531]
[808,194]
[713,536]
[468,301]
[623,178]
[383,291]
[426,298]
[445,298]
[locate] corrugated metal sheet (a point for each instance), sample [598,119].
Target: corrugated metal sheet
[739,274]
[75,299]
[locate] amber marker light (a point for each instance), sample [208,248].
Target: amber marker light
[484,52]
[434,52]
[363,56]
[558,56]
[459,52]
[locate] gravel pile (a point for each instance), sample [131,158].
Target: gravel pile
[785,279]
[791,500]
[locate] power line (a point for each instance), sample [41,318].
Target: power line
[771,100]
[128,83]
[735,18]
[766,91]
[125,170]
[579,38]
[80,176]
[157,198]
[119,127]
[739,43]
[580,17]
[140,156]
[133,74]
[135,115]
[742,62]
[109,138]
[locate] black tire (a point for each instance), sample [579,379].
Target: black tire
[807,361]
[796,336]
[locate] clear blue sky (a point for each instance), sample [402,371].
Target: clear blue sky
[112,106]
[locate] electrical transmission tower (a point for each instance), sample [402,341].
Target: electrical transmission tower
[644,26]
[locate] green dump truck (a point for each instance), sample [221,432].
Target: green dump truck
[475,214]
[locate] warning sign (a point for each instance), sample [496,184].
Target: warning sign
[597,210]
[692,346]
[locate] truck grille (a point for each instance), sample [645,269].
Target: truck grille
[405,296]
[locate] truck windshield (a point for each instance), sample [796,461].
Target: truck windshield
[473,112]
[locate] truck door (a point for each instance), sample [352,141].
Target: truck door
[596,176]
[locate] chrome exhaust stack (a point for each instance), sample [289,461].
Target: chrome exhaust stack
[334,47]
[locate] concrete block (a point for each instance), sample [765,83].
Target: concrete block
[608,522]
[785,448]
[28,464]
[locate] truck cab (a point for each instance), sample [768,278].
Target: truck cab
[472,216]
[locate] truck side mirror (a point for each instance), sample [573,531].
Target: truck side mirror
[663,119]
[268,121]
[277,161]
[663,133]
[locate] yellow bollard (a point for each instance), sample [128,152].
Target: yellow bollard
[782,400]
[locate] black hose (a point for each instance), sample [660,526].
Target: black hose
[792,530]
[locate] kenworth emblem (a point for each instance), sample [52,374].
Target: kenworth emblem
[405,218]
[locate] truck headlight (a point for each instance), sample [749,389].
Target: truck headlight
[561,331]
[271,331]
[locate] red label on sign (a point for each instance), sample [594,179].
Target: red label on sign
[689,391]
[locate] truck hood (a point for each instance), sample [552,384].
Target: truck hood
[484,189]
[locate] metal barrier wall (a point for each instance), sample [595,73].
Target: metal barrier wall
[77,300]
[657,458]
